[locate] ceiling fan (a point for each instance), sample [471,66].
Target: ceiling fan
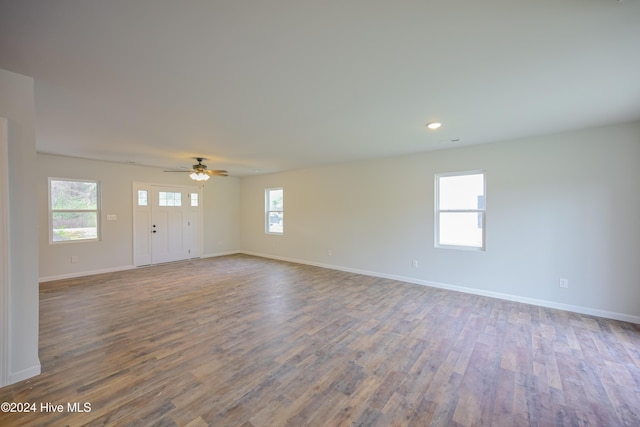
[200,172]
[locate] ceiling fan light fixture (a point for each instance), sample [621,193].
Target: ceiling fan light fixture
[199,176]
[199,172]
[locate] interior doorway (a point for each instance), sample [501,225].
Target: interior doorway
[166,222]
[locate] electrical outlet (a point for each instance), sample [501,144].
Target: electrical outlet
[74,258]
[329,252]
[563,283]
[415,263]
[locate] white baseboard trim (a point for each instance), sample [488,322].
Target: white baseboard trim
[508,297]
[24,374]
[122,268]
[85,273]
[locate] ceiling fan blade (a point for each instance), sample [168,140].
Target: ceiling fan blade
[178,171]
[216,172]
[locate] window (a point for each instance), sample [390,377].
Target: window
[274,207]
[143,198]
[194,199]
[169,198]
[460,210]
[73,210]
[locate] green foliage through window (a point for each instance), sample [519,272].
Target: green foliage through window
[73,210]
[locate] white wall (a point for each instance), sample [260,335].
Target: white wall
[17,105]
[115,249]
[563,205]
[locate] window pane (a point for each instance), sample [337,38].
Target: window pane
[461,229]
[275,200]
[276,222]
[74,195]
[274,210]
[461,192]
[194,199]
[169,198]
[142,198]
[74,226]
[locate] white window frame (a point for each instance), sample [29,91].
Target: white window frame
[97,211]
[170,199]
[269,211]
[438,211]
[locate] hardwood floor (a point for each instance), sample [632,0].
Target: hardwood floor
[245,341]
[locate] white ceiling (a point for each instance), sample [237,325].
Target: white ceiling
[275,85]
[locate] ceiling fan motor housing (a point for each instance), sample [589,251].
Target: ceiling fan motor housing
[199,166]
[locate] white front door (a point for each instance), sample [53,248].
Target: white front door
[169,216]
[166,224]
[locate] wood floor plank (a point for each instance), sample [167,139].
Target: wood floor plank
[246,341]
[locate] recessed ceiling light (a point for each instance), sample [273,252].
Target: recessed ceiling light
[434,125]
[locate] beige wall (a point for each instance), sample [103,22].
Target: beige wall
[563,205]
[115,249]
